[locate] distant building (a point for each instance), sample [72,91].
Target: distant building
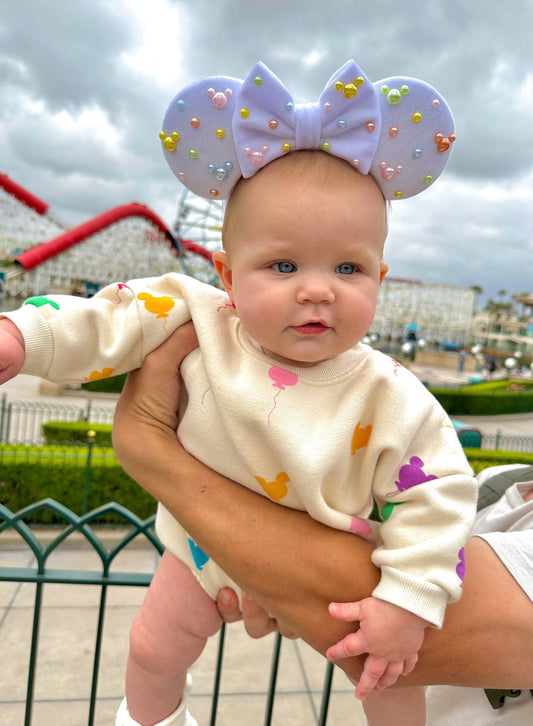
[505,330]
[412,310]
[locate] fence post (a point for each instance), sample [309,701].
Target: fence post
[90,443]
[497,442]
[3,409]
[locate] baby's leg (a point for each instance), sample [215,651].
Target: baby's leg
[167,636]
[398,706]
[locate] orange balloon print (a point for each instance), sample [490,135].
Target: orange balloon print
[360,437]
[157,305]
[277,489]
[98,375]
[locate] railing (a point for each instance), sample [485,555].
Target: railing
[507,442]
[21,421]
[41,575]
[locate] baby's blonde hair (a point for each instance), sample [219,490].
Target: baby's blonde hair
[299,165]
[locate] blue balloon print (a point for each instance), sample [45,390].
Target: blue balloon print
[199,556]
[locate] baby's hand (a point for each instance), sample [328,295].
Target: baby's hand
[12,350]
[389,634]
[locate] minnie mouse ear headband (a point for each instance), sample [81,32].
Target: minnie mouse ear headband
[399,130]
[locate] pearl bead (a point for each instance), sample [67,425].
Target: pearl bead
[220,133]
[327,106]
[326,145]
[193,153]
[417,153]
[195,122]
[341,123]
[245,112]
[258,80]
[289,105]
[393,131]
[398,194]
[416,117]
[356,162]
[435,103]
[213,192]
[338,85]
[220,100]
[370,126]
[359,80]
[285,146]
[350,90]
[404,90]
[394,97]
[428,178]
[273,123]
[180,105]
[182,176]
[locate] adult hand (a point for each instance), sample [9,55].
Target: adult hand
[150,397]
[257,621]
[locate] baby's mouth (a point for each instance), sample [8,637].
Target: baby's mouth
[311,328]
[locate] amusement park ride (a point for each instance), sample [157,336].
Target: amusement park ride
[39,253]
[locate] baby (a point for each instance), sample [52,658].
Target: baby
[281,395]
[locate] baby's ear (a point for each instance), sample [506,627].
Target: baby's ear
[222,266]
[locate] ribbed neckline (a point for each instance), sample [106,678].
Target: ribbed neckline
[323,372]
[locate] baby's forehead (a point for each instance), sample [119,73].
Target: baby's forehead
[304,170]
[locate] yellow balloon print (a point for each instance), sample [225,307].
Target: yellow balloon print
[98,375]
[277,489]
[157,305]
[360,437]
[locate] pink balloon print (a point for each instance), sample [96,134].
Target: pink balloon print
[282,378]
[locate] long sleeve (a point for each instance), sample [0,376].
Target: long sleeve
[428,507]
[71,339]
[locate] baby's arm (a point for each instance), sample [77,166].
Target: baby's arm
[389,634]
[12,350]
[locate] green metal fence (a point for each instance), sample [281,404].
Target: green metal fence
[41,575]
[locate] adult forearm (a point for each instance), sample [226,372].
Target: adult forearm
[295,567]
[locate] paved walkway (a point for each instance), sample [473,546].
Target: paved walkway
[67,637]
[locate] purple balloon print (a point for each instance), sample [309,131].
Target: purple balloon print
[411,474]
[282,378]
[461,566]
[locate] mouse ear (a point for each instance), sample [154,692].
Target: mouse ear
[416,137]
[197,136]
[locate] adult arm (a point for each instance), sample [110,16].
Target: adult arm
[293,566]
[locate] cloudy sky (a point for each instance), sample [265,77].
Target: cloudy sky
[84,86]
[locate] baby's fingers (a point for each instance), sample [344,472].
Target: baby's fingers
[409,664]
[391,674]
[349,646]
[348,611]
[374,668]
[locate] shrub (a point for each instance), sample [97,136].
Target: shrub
[106,385]
[483,458]
[31,473]
[487,398]
[76,432]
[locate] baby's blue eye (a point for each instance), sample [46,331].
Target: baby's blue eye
[346,268]
[284,266]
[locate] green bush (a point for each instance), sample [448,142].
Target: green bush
[481,459]
[488,398]
[106,385]
[31,473]
[76,432]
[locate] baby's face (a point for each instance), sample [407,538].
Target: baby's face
[304,261]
